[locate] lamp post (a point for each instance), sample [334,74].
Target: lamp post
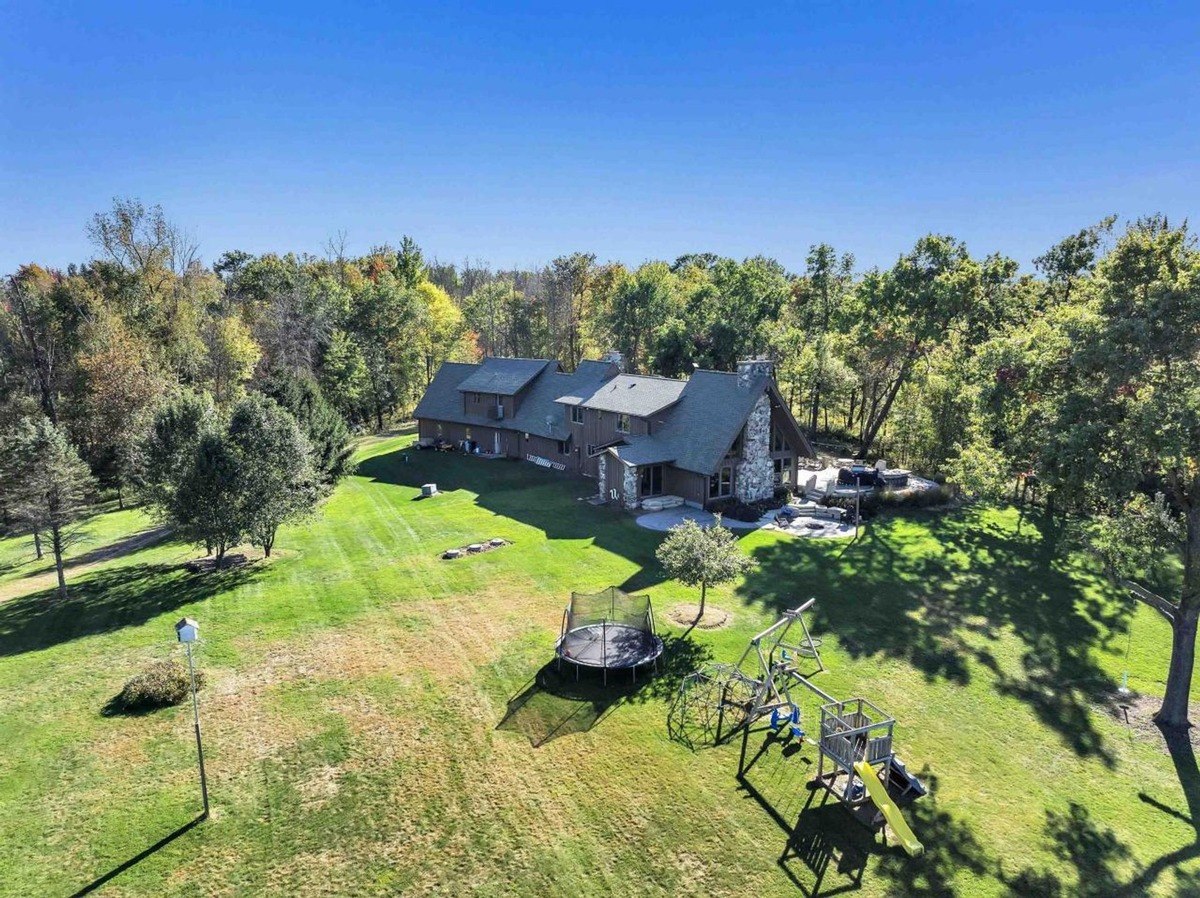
[188,631]
[857,502]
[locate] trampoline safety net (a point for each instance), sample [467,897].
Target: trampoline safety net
[609,630]
[610,606]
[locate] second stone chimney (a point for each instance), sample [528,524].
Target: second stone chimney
[613,357]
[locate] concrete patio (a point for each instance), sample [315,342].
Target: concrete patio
[806,527]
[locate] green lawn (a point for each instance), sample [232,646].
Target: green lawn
[359,738]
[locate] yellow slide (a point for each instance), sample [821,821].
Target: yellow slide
[891,813]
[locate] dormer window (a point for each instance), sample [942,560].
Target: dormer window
[622,423]
[576,414]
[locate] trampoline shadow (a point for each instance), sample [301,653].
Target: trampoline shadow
[552,705]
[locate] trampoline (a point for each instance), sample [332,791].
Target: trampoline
[608,630]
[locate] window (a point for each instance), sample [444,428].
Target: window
[576,414]
[622,423]
[439,428]
[475,397]
[466,433]
[778,443]
[564,447]
[783,471]
[721,483]
[651,481]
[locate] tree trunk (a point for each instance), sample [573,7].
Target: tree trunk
[703,593]
[56,543]
[267,544]
[872,427]
[37,544]
[1174,710]
[120,499]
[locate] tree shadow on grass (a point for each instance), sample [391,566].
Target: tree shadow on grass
[826,850]
[555,702]
[936,599]
[106,601]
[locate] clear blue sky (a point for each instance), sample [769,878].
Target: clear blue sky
[514,135]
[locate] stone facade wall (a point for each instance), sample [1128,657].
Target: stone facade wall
[755,477]
[630,486]
[602,467]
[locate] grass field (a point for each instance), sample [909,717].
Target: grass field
[372,725]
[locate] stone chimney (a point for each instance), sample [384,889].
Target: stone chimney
[613,357]
[749,369]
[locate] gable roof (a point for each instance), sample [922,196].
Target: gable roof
[697,431]
[539,413]
[506,377]
[442,400]
[635,394]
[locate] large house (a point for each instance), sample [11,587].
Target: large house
[713,436]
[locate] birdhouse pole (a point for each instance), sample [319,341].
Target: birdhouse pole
[188,632]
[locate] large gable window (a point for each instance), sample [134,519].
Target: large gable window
[778,442]
[622,423]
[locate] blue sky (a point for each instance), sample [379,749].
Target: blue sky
[514,134]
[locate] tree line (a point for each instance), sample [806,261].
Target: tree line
[1082,376]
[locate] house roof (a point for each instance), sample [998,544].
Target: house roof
[506,377]
[697,431]
[642,450]
[442,400]
[539,413]
[692,423]
[635,394]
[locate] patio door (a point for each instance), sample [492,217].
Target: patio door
[651,480]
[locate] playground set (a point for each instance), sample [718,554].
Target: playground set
[854,740]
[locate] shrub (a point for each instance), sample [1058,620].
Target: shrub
[738,510]
[902,499]
[160,685]
[783,495]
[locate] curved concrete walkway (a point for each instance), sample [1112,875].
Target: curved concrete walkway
[671,517]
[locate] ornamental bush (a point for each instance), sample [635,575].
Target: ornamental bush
[160,685]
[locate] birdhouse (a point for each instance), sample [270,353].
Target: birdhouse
[187,630]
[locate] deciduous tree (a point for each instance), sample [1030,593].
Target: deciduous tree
[702,556]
